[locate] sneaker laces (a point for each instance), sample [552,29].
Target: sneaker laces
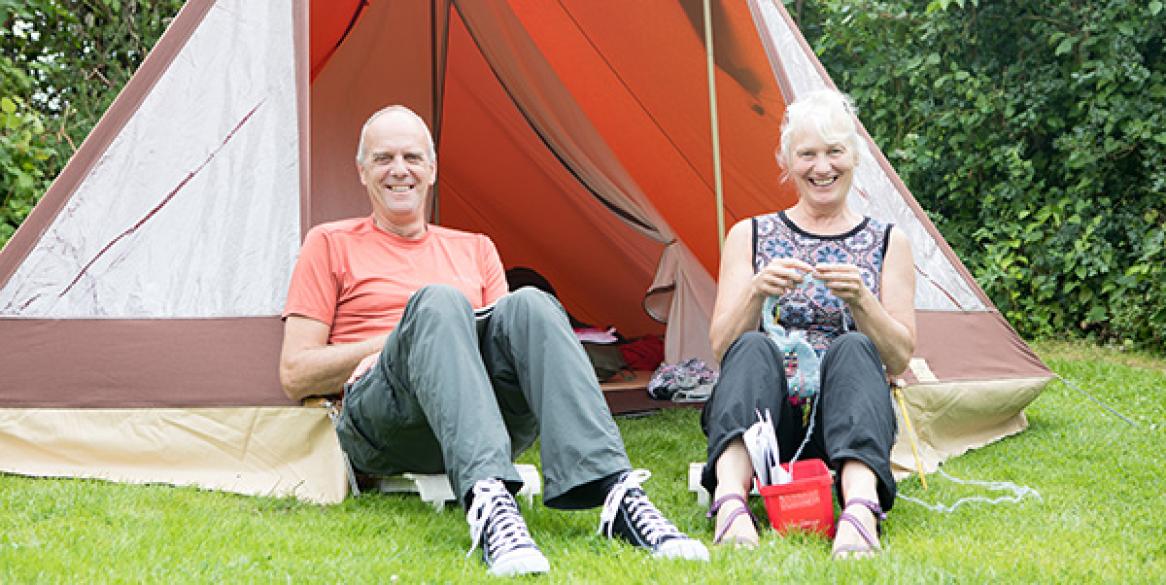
[494,507]
[646,519]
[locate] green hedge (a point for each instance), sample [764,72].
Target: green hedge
[24,156]
[62,62]
[1034,133]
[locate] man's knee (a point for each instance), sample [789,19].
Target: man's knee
[531,300]
[440,296]
[437,302]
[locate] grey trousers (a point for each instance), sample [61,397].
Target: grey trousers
[855,418]
[452,394]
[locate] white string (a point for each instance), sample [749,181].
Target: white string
[334,416]
[809,433]
[1096,399]
[1018,493]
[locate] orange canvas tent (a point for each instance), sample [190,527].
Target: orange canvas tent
[139,303]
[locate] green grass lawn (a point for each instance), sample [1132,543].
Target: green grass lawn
[1101,516]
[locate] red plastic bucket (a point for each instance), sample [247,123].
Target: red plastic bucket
[806,503]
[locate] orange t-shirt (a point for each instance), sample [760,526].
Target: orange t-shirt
[356,278]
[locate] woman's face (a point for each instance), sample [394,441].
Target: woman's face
[822,171]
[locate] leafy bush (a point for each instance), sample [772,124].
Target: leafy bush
[1035,135]
[24,150]
[23,157]
[62,62]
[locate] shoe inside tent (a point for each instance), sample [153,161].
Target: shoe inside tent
[139,301]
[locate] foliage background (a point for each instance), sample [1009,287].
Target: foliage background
[62,62]
[1034,133]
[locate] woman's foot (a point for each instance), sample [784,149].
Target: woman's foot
[735,524]
[857,532]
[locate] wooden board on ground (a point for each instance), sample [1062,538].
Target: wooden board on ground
[627,392]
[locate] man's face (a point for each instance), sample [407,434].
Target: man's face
[397,170]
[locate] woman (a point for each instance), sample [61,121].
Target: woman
[846,284]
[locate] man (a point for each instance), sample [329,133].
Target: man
[384,306]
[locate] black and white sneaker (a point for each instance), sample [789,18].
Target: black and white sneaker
[498,527]
[628,514]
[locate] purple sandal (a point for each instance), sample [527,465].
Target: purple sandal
[872,541]
[743,510]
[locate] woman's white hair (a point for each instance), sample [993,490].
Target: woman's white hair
[828,113]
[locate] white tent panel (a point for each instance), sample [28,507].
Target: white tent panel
[203,220]
[939,285]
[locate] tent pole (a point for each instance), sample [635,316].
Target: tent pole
[708,45]
[438,51]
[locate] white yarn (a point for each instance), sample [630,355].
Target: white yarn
[1018,493]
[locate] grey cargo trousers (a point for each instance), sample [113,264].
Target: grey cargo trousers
[464,396]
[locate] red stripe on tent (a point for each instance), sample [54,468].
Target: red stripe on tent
[141,363]
[165,200]
[780,75]
[939,287]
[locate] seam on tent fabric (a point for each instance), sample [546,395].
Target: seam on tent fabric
[351,23]
[956,381]
[165,200]
[662,289]
[771,53]
[439,68]
[301,39]
[534,128]
[438,74]
[453,191]
[939,287]
[669,288]
[635,97]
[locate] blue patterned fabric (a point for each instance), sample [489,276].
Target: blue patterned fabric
[811,308]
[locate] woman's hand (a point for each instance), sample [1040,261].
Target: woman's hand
[889,318]
[843,280]
[741,292]
[779,277]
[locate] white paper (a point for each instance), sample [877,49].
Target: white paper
[761,444]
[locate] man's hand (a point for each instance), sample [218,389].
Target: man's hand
[364,366]
[310,366]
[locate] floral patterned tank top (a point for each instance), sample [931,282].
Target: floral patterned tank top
[812,308]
